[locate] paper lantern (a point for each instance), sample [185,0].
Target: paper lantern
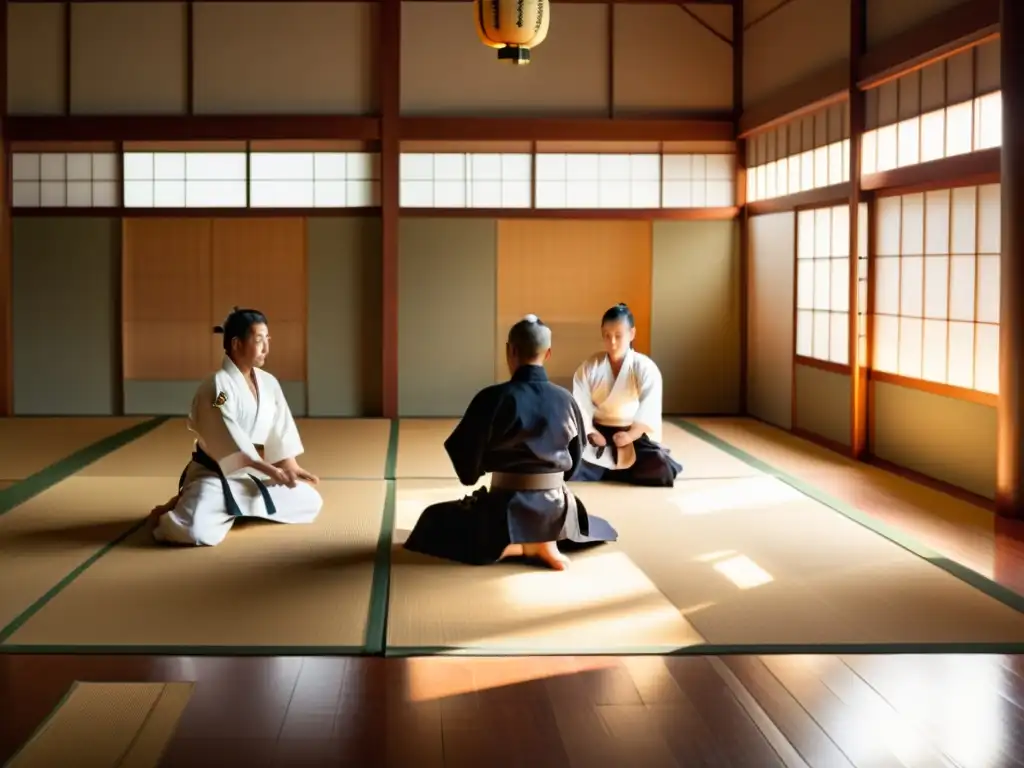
[512,26]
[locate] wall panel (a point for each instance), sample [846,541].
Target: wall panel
[447,71]
[942,437]
[183,276]
[35,58]
[344,330]
[446,313]
[887,19]
[568,273]
[772,244]
[128,58]
[665,61]
[166,279]
[823,403]
[65,279]
[284,57]
[799,39]
[261,263]
[695,315]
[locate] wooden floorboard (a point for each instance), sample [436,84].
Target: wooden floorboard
[870,711]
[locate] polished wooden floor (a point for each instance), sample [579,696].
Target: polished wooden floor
[629,711]
[589,712]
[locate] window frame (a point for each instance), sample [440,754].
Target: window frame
[968,394]
[804,360]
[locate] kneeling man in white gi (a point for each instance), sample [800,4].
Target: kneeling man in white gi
[244,461]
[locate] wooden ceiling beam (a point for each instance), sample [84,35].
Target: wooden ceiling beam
[60,128]
[593,2]
[191,127]
[566,129]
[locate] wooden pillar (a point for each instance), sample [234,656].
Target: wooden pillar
[6,267]
[389,77]
[857,106]
[1009,469]
[741,198]
[190,65]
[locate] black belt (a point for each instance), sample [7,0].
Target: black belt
[608,434]
[203,459]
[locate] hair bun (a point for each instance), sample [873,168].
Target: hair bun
[622,305]
[218,329]
[531,318]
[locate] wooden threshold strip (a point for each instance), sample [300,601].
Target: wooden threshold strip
[823,365]
[981,167]
[604,214]
[935,388]
[836,194]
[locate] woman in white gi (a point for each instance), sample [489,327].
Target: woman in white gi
[244,462]
[619,392]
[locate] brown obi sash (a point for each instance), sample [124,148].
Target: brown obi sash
[512,481]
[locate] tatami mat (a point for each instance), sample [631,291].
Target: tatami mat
[268,586]
[421,453]
[745,563]
[108,725]
[730,558]
[335,448]
[345,448]
[29,444]
[603,602]
[163,452]
[52,534]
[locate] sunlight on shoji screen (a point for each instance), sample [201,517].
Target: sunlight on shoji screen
[937,286]
[184,180]
[314,179]
[951,107]
[823,284]
[461,180]
[598,181]
[808,153]
[698,181]
[64,180]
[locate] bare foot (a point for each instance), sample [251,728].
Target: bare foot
[158,511]
[512,550]
[547,553]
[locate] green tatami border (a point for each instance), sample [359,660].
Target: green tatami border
[33,485]
[709,649]
[983,584]
[186,650]
[59,587]
[380,591]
